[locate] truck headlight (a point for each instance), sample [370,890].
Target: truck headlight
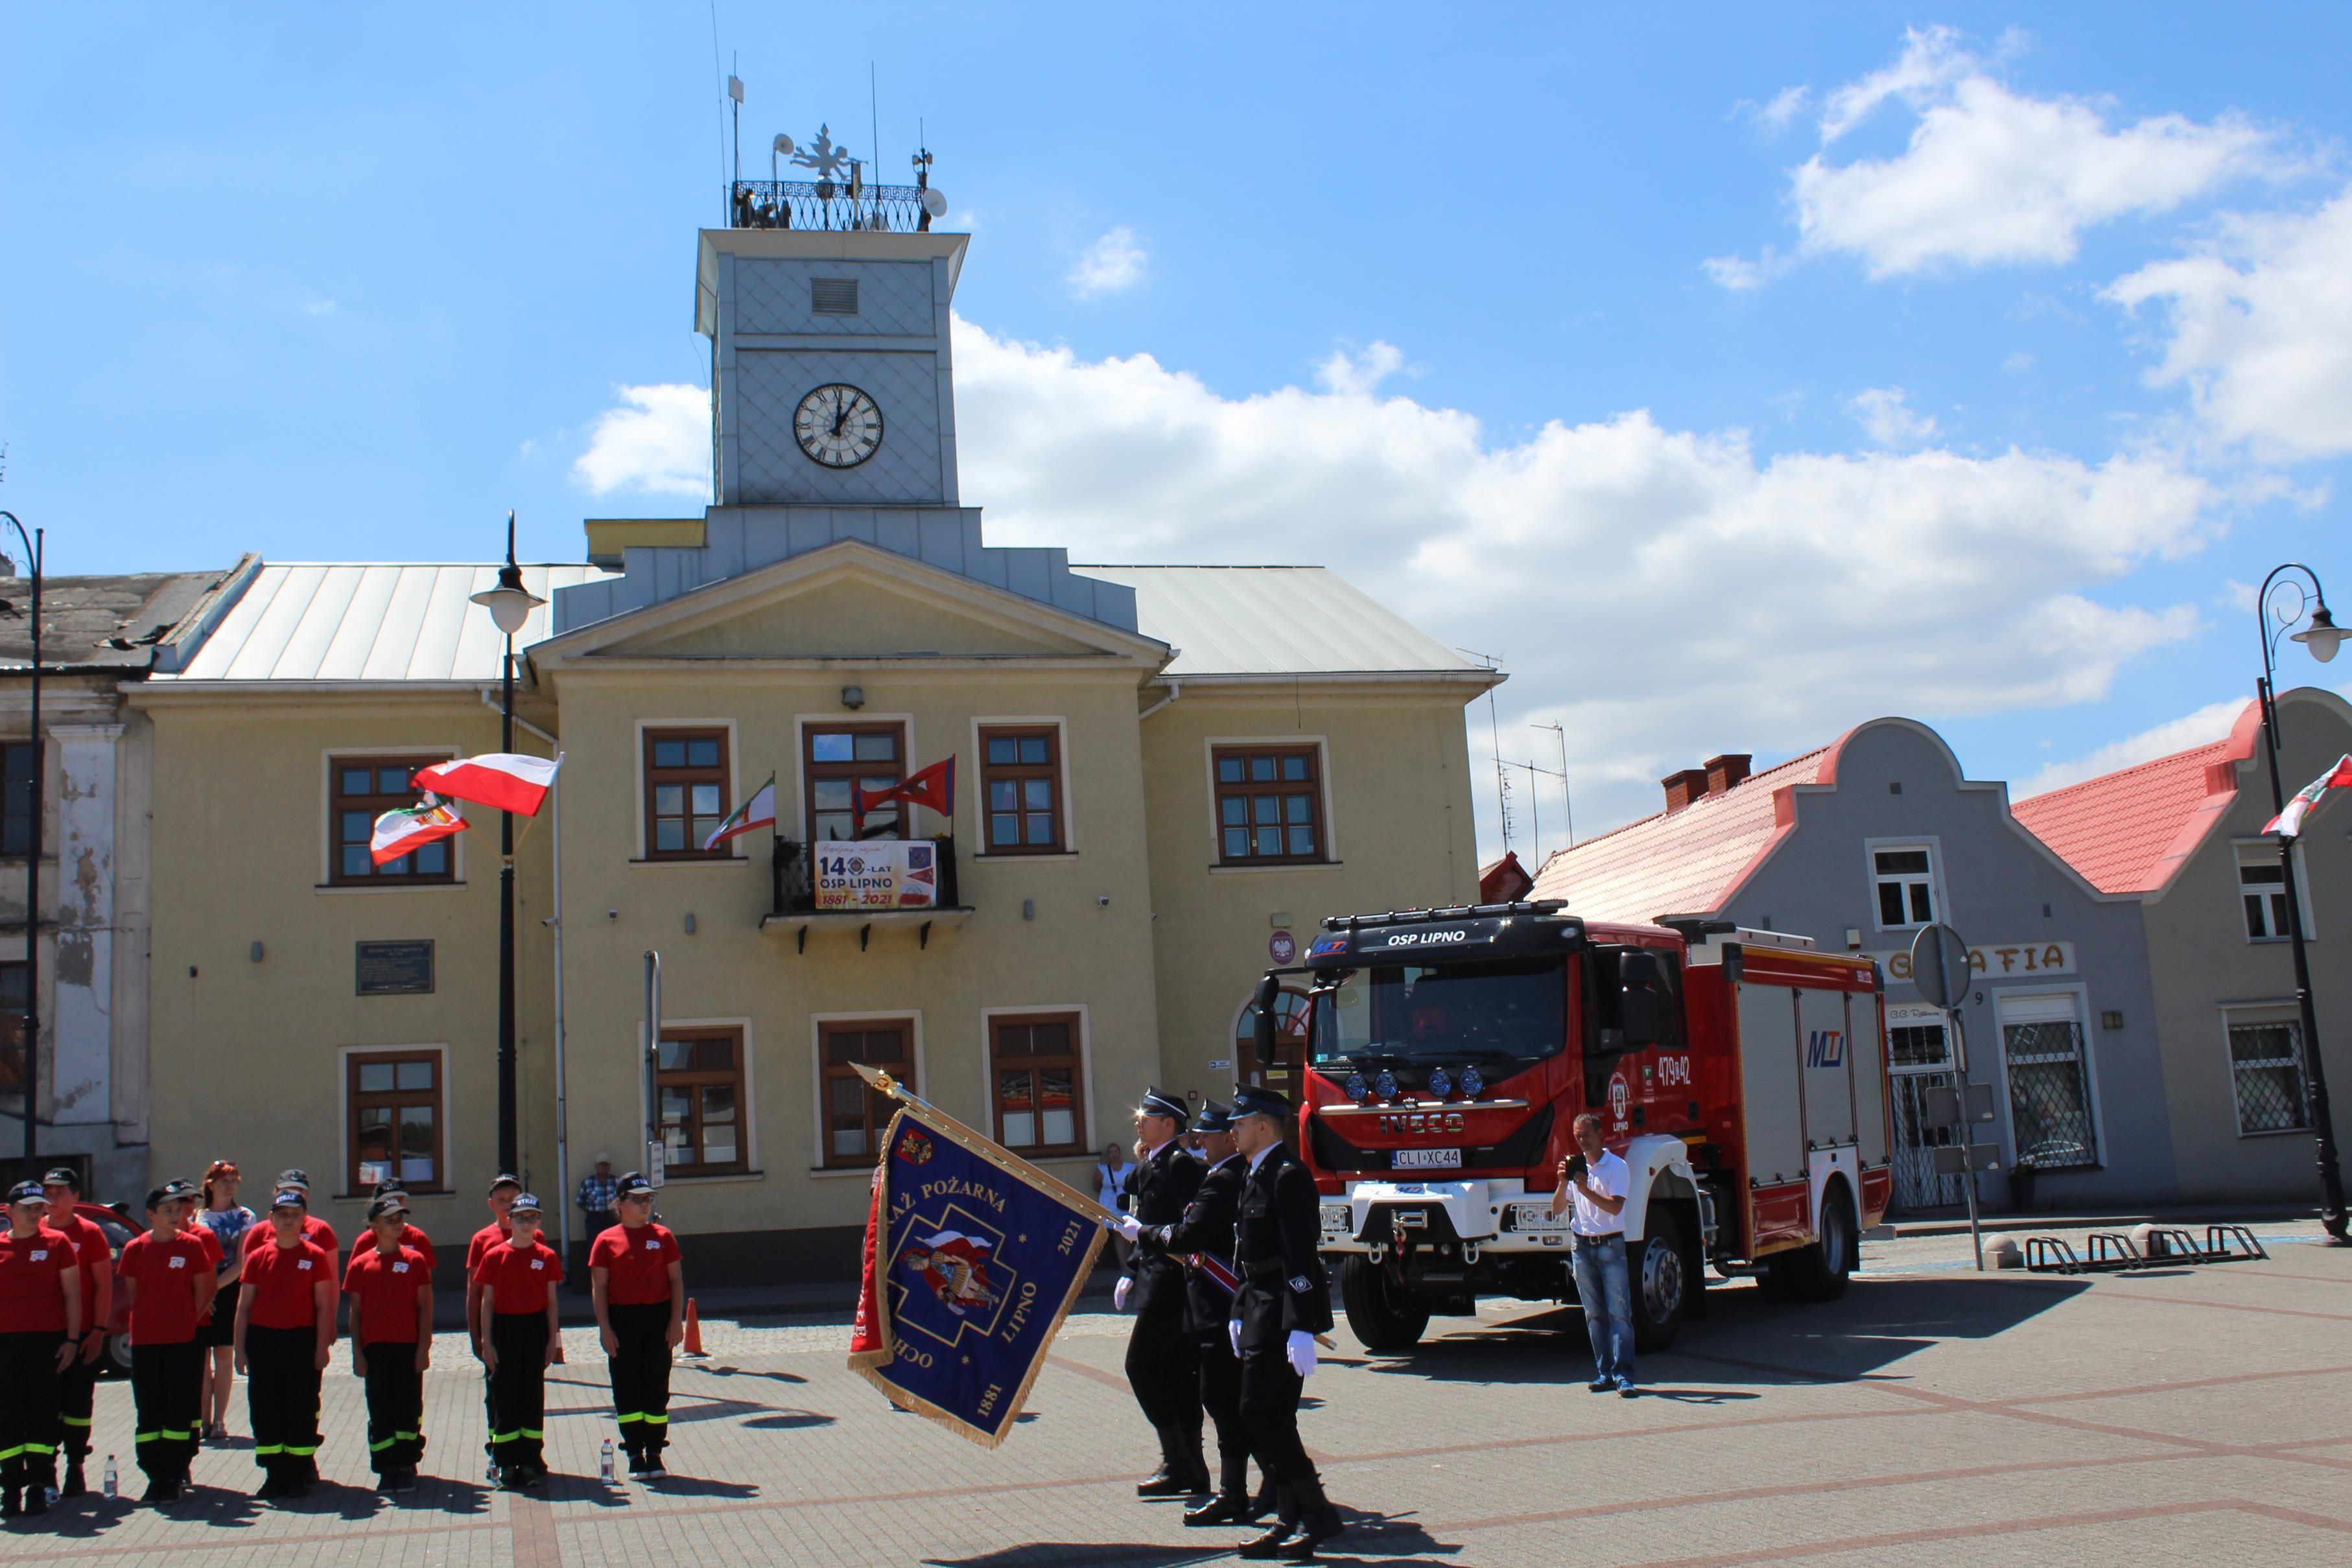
[1338,1221]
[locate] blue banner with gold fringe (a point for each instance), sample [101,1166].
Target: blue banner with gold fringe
[974,1256]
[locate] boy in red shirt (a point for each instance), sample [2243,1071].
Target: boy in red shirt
[518,1283]
[41,1320]
[168,1276]
[500,1198]
[78,1384]
[316,1231]
[638,1282]
[409,1235]
[285,1329]
[391,1288]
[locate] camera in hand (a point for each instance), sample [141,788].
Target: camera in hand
[1574,1169]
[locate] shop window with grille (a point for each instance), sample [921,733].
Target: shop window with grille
[1035,1082]
[698,1077]
[359,790]
[1269,804]
[685,790]
[394,1100]
[855,1116]
[2266,1077]
[2049,1083]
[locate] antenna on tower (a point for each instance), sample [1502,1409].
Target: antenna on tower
[735,92]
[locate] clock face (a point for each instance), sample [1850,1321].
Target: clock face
[838,426]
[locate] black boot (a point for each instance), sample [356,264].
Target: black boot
[1285,1520]
[1170,1480]
[76,1486]
[1225,1508]
[10,1504]
[36,1495]
[1267,1499]
[1318,1521]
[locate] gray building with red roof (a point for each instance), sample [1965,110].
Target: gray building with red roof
[1859,844]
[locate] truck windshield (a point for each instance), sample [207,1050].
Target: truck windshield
[1511,1009]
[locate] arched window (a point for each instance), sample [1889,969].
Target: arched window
[1285,1072]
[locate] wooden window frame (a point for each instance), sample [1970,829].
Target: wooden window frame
[1278,787]
[811,770]
[2269,894]
[356,1100]
[878,1109]
[1050,771]
[651,777]
[740,1076]
[1074,1059]
[375,805]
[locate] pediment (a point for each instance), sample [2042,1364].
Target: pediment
[850,601]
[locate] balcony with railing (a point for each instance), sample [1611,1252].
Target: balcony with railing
[832,204]
[800,903]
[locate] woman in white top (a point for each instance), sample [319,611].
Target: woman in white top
[1111,1173]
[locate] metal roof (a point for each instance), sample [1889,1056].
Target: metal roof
[359,621]
[1277,621]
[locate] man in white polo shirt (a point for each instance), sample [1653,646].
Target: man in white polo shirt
[1596,1180]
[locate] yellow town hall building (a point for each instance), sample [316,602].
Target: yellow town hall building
[1162,772]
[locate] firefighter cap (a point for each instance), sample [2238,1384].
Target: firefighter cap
[295,1176]
[26,1192]
[1155,1103]
[525,1203]
[1214,1118]
[290,1198]
[505,1181]
[167,1192]
[63,1176]
[388,1203]
[633,1183]
[1249,1100]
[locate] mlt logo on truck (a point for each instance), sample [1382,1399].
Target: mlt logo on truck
[1825,1048]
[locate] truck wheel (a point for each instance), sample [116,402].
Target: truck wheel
[1660,1280]
[1819,1272]
[1382,1314]
[116,1360]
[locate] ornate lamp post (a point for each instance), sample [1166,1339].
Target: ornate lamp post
[509,604]
[2321,636]
[32,862]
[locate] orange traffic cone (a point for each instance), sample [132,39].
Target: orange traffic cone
[693,1331]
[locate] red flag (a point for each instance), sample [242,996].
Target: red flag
[502,780]
[933,787]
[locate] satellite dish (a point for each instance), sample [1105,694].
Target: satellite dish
[935,203]
[784,148]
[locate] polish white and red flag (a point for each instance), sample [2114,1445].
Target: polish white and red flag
[401,831]
[2289,823]
[502,780]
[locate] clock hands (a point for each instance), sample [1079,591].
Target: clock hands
[840,413]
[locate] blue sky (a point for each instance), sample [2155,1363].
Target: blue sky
[1736,373]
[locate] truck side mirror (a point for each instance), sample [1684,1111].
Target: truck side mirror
[1269,993]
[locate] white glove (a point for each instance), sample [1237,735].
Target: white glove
[1234,1332]
[1128,1227]
[1119,1292]
[1301,1353]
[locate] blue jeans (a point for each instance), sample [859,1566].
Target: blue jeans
[1607,1297]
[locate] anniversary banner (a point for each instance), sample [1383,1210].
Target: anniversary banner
[974,1256]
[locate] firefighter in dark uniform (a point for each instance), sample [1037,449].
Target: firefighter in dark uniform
[1159,1363]
[1283,1303]
[1204,1240]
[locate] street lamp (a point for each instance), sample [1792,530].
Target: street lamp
[509,604]
[32,860]
[2321,637]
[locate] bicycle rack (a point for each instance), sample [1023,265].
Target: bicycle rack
[2173,1243]
[2112,1250]
[2220,1239]
[2051,1255]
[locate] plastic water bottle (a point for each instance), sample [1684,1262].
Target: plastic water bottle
[109,1483]
[605,1460]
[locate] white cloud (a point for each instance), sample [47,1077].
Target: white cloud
[1991,175]
[1887,419]
[1112,265]
[2207,724]
[1739,275]
[1776,115]
[656,444]
[1664,594]
[2259,329]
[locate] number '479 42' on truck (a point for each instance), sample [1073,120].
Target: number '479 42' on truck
[1741,1075]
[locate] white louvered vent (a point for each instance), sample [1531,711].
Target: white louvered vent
[833,296]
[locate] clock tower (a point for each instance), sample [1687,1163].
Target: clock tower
[831,373]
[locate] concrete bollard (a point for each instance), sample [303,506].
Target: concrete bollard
[2003,1250]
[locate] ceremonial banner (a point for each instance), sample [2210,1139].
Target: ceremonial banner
[974,1256]
[879,874]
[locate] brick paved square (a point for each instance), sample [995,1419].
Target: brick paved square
[1931,1416]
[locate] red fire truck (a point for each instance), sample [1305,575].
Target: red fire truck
[1742,1075]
